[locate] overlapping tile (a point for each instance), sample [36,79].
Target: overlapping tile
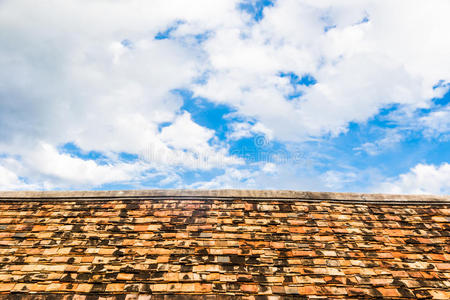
[233,247]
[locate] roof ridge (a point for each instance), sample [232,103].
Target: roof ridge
[225,193]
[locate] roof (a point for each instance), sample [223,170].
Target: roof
[226,244]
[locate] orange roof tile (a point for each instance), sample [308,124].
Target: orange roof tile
[223,245]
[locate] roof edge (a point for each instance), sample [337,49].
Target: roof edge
[226,193]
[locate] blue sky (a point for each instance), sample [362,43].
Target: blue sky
[284,94]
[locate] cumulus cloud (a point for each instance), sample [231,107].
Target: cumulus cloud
[187,144]
[186,134]
[421,179]
[49,169]
[10,181]
[363,54]
[240,130]
[92,73]
[102,74]
[437,124]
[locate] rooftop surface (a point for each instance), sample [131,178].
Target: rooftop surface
[226,244]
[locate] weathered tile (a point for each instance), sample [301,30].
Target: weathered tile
[115,287]
[225,247]
[6,287]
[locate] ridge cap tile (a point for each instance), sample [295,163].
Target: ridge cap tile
[250,194]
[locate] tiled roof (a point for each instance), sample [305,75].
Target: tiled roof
[225,244]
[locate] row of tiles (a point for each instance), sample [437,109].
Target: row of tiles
[411,279]
[235,288]
[199,207]
[150,224]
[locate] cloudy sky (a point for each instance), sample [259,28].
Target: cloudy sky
[319,95]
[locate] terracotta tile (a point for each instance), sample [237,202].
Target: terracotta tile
[70,268]
[410,283]
[307,290]
[228,277]
[303,253]
[249,288]
[213,276]
[385,255]
[440,294]
[21,287]
[274,279]
[115,287]
[84,288]
[277,289]
[154,227]
[436,256]
[38,287]
[443,266]
[171,276]
[53,287]
[291,290]
[64,251]
[400,274]
[6,287]
[141,228]
[174,287]
[414,274]
[39,228]
[203,287]
[87,259]
[381,281]
[361,292]
[68,287]
[159,287]
[188,287]
[125,276]
[162,259]
[106,251]
[277,245]
[388,292]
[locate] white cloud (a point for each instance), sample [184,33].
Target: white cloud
[67,76]
[269,168]
[10,181]
[185,134]
[359,66]
[336,180]
[389,141]
[187,144]
[51,169]
[244,129]
[421,179]
[231,178]
[437,124]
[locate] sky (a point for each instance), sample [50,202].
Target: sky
[318,95]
